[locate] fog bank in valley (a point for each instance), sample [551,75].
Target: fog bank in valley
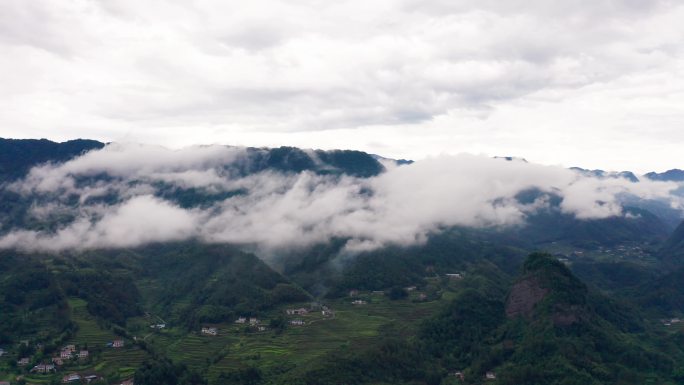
[115,197]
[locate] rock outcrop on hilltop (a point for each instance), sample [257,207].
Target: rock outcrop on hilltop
[524,296]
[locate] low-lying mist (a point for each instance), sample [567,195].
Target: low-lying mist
[126,195]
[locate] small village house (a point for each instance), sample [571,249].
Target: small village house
[210,331]
[359,302]
[458,374]
[254,321]
[5,383]
[83,354]
[23,362]
[241,320]
[353,293]
[297,322]
[43,368]
[490,376]
[118,344]
[67,351]
[300,311]
[57,361]
[73,377]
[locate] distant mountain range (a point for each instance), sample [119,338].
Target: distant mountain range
[674,175]
[648,220]
[17,156]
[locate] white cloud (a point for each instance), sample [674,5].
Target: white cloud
[400,206]
[190,167]
[140,220]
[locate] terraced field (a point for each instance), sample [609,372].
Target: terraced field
[124,361]
[37,379]
[89,332]
[197,351]
[291,352]
[353,326]
[106,361]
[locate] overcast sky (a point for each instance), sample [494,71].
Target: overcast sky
[594,83]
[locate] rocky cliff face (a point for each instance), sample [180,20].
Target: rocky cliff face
[545,279]
[523,297]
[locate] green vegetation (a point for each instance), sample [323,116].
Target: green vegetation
[33,307]
[186,286]
[161,371]
[399,334]
[395,333]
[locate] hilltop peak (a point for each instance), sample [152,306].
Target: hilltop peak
[674,175]
[546,288]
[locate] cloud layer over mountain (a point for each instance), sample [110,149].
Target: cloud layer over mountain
[119,197]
